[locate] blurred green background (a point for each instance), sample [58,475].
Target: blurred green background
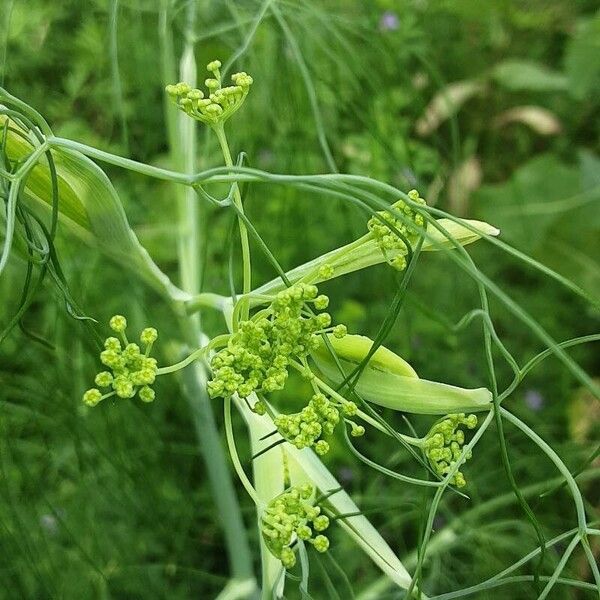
[491,109]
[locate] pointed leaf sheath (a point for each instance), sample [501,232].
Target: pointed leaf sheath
[357,255]
[389,381]
[306,467]
[90,207]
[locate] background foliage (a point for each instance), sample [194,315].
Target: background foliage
[113,503]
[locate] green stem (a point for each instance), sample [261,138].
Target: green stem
[560,465]
[215,459]
[237,199]
[194,378]
[220,340]
[235,459]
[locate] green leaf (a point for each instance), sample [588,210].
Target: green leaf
[526,206]
[582,58]
[552,210]
[528,76]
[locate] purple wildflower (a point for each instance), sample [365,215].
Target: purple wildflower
[389,21]
[534,400]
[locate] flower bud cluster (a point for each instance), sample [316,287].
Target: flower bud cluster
[219,103]
[130,371]
[305,428]
[443,444]
[291,516]
[258,354]
[388,240]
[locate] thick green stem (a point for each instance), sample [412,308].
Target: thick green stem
[183,154]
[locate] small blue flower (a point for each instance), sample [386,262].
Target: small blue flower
[345,475]
[389,21]
[534,400]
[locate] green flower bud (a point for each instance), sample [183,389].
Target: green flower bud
[131,352]
[321,447]
[306,491]
[323,320]
[357,431]
[146,394]
[104,379]
[242,79]
[118,323]
[288,558]
[149,336]
[260,408]
[321,543]
[130,368]
[112,343]
[195,94]
[349,409]
[443,444]
[321,302]
[385,225]
[304,532]
[112,359]
[291,514]
[321,523]
[339,331]
[92,396]
[123,387]
[326,272]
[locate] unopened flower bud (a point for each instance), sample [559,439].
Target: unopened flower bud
[92,396]
[118,323]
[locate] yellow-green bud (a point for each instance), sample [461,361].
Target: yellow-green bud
[321,543]
[357,431]
[123,387]
[326,272]
[149,335]
[339,331]
[92,396]
[259,407]
[321,302]
[321,447]
[104,379]
[288,558]
[321,523]
[304,532]
[118,323]
[146,394]
[112,343]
